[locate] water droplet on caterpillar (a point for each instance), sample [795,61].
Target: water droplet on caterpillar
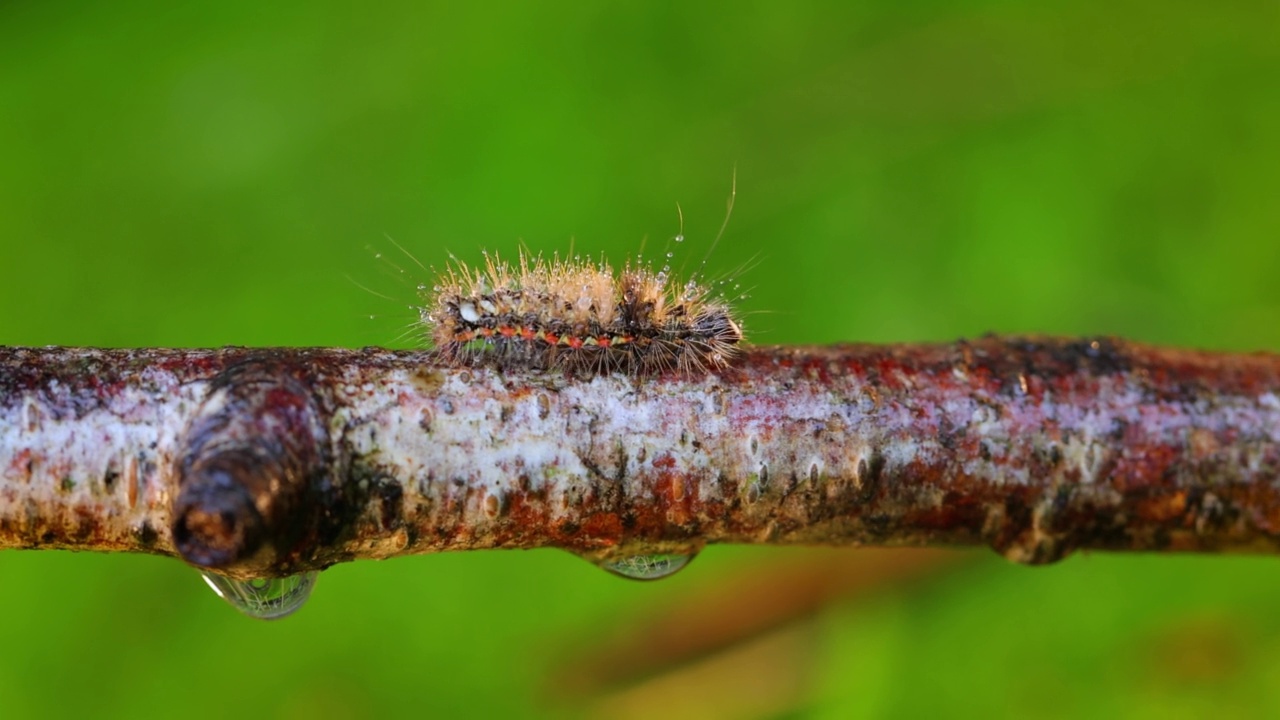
[264,598]
[648,567]
[679,239]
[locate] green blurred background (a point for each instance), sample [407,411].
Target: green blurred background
[906,171]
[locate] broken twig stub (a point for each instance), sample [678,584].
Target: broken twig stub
[274,461]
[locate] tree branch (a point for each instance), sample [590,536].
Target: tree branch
[269,462]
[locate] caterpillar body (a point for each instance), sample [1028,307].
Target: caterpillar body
[578,316]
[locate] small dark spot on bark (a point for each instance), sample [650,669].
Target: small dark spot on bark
[1099,356]
[878,525]
[48,537]
[764,474]
[391,501]
[621,460]
[755,446]
[1017,514]
[1053,510]
[570,528]
[446,405]
[67,484]
[459,482]
[111,477]
[870,473]
[947,440]
[507,411]
[593,467]
[1119,427]
[1041,464]
[544,407]
[147,535]
[1210,513]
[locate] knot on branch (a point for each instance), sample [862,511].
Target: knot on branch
[253,464]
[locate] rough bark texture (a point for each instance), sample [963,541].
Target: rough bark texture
[272,461]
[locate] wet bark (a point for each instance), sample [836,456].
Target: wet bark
[274,461]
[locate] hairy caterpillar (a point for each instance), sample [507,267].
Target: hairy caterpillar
[578,316]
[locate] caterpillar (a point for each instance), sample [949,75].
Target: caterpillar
[578,316]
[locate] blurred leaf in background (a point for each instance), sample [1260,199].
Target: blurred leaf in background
[203,175]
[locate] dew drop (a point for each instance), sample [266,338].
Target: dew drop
[264,598]
[679,239]
[648,567]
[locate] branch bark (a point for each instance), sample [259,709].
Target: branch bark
[267,462]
